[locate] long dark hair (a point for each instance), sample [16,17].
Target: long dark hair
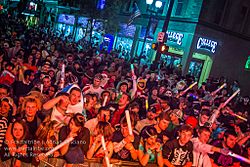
[78,119]
[25,131]
[105,129]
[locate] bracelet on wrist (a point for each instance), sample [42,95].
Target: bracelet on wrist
[124,142]
[149,151]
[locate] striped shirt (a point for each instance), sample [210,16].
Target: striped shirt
[3,129]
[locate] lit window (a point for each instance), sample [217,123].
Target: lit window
[179,7]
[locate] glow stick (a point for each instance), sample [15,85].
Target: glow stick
[192,85]
[66,141]
[146,104]
[105,101]
[47,163]
[238,116]
[62,76]
[239,157]
[63,68]
[104,148]
[129,122]
[132,69]
[221,87]
[41,88]
[213,117]
[230,98]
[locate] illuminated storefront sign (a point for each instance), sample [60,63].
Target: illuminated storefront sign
[175,37]
[175,50]
[206,44]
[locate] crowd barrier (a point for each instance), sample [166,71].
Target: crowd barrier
[57,162]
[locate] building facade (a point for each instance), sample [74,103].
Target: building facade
[208,38]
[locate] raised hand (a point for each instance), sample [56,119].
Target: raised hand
[224,151]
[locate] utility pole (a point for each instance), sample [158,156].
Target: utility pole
[164,30]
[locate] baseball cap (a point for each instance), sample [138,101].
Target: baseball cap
[98,76]
[152,109]
[178,113]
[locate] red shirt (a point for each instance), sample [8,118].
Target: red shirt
[117,116]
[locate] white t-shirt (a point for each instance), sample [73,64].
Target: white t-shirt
[91,124]
[200,153]
[61,119]
[77,108]
[90,89]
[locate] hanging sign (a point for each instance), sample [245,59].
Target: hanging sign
[175,37]
[206,44]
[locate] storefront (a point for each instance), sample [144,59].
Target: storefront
[124,40]
[196,52]
[203,52]
[31,13]
[65,24]
[81,29]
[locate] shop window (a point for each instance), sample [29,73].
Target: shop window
[127,7]
[243,17]
[179,7]
[220,7]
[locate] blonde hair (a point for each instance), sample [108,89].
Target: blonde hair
[32,99]
[45,127]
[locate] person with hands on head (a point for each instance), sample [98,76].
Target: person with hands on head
[150,151]
[59,104]
[75,151]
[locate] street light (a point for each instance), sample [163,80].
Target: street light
[149,2]
[158,4]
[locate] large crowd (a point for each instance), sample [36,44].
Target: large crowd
[53,89]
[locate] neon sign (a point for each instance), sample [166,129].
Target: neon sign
[206,44]
[175,37]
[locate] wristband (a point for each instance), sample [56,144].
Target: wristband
[124,142]
[149,152]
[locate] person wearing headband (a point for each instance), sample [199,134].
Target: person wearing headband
[150,150]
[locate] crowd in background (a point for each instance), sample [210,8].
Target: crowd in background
[42,104]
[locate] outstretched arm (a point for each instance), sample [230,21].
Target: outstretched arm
[51,103]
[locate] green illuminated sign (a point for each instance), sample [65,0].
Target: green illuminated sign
[247,65]
[175,50]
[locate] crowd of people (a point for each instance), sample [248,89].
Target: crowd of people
[51,90]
